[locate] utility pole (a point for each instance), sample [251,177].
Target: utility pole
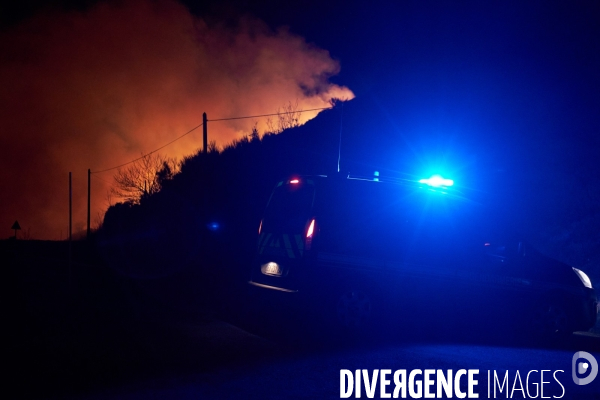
[340,141]
[204,133]
[89,193]
[70,206]
[70,225]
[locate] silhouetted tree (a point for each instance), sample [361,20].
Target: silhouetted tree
[254,135]
[144,177]
[213,147]
[288,116]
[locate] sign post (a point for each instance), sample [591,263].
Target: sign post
[16,227]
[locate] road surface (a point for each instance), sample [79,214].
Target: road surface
[229,363]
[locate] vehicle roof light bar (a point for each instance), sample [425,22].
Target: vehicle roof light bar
[437,181]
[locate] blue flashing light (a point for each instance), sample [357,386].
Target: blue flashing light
[437,181]
[214,226]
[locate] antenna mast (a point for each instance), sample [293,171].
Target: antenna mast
[340,141]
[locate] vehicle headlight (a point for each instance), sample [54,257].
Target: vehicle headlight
[584,278]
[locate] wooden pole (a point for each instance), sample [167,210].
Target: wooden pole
[70,207]
[204,133]
[70,225]
[88,209]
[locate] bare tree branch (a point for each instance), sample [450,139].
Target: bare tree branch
[213,147]
[288,116]
[144,177]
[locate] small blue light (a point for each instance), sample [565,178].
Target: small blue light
[437,181]
[213,226]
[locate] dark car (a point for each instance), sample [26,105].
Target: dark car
[350,251]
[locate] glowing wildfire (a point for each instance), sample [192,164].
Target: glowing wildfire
[98,88]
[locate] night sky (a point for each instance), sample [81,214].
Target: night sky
[475,89]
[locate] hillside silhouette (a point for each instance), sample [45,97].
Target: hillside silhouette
[199,232]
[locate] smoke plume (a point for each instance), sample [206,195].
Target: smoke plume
[98,88]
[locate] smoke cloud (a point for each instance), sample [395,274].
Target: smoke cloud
[98,88]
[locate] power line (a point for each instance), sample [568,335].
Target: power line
[103,180]
[147,154]
[270,115]
[211,120]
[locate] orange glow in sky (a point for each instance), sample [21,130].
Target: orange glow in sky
[98,88]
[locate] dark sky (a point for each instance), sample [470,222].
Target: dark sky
[457,86]
[528,66]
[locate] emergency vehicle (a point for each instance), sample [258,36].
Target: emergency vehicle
[352,251]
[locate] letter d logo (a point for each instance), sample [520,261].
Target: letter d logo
[583,367]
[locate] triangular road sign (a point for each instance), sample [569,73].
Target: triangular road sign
[16,226]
